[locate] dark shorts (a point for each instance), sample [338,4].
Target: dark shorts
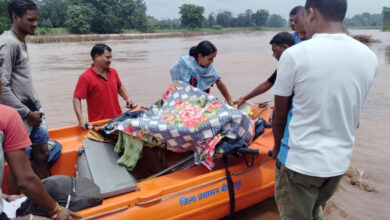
[40,135]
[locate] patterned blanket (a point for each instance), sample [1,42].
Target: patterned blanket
[187,118]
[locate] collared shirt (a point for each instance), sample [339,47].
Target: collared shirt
[296,37]
[101,94]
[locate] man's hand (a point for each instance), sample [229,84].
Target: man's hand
[34,118]
[129,103]
[83,124]
[239,102]
[65,214]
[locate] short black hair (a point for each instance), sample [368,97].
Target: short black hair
[205,48]
[19,7]
[332,10]
[99,49]
[295,10]
[283,38]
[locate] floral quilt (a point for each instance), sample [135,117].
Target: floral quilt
[187,118]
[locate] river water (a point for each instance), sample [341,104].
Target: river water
[244,60]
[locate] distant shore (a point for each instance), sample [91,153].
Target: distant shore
[56,38]
[64,37]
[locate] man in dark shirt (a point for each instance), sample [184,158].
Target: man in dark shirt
[280,42]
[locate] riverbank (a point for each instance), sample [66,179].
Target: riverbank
[64,37]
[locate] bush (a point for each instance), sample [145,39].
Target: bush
[5,24]
[217,27]
[386,25]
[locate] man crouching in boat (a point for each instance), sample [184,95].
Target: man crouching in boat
[280,42]
[13,140]
[100,85]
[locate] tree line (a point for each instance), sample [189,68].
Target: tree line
[115,16]
[86,16]
[192,16]
[386,18]
[364,20]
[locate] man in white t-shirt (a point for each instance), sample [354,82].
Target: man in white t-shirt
[320,89]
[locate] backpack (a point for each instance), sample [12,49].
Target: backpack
[55,152]
[74,193]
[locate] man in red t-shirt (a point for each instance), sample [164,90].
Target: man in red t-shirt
[13,140]
[100,85]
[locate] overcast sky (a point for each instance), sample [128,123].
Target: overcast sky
[170,8]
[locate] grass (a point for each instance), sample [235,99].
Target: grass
[50,31]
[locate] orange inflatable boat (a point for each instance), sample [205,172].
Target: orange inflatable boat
[193,193]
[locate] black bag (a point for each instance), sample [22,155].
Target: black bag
[76,193]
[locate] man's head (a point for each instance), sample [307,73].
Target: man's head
[322,13]
[280,42]
[101,55]
[299,24]
[24,16]
[293,13]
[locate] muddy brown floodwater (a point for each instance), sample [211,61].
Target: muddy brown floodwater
[243,61]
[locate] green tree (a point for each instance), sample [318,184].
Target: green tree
[276,20]
[111,16]
[224,18]
[245,19]
[127,14]
[260,17]
[5,22]
[364,20]
[78,18]
[191,16]
[211,20]
[52,13]
[386,18]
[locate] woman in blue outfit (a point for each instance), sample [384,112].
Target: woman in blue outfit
[197,70]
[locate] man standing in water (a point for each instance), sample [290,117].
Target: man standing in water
[317,109]
[100,85]
[18,91]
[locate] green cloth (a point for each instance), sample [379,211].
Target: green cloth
[300,196]
[131,148]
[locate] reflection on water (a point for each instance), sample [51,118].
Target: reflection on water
[388,54]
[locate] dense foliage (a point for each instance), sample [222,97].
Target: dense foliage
[114,16]
[386,18]
[87,16]
[364,20]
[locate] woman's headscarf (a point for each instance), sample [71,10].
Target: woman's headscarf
[187,67]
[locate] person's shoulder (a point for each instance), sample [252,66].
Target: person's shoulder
[112,70]
[7,112]
[8,41]
[8,38]
[361,48]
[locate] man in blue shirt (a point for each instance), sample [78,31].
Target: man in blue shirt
[292,17]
